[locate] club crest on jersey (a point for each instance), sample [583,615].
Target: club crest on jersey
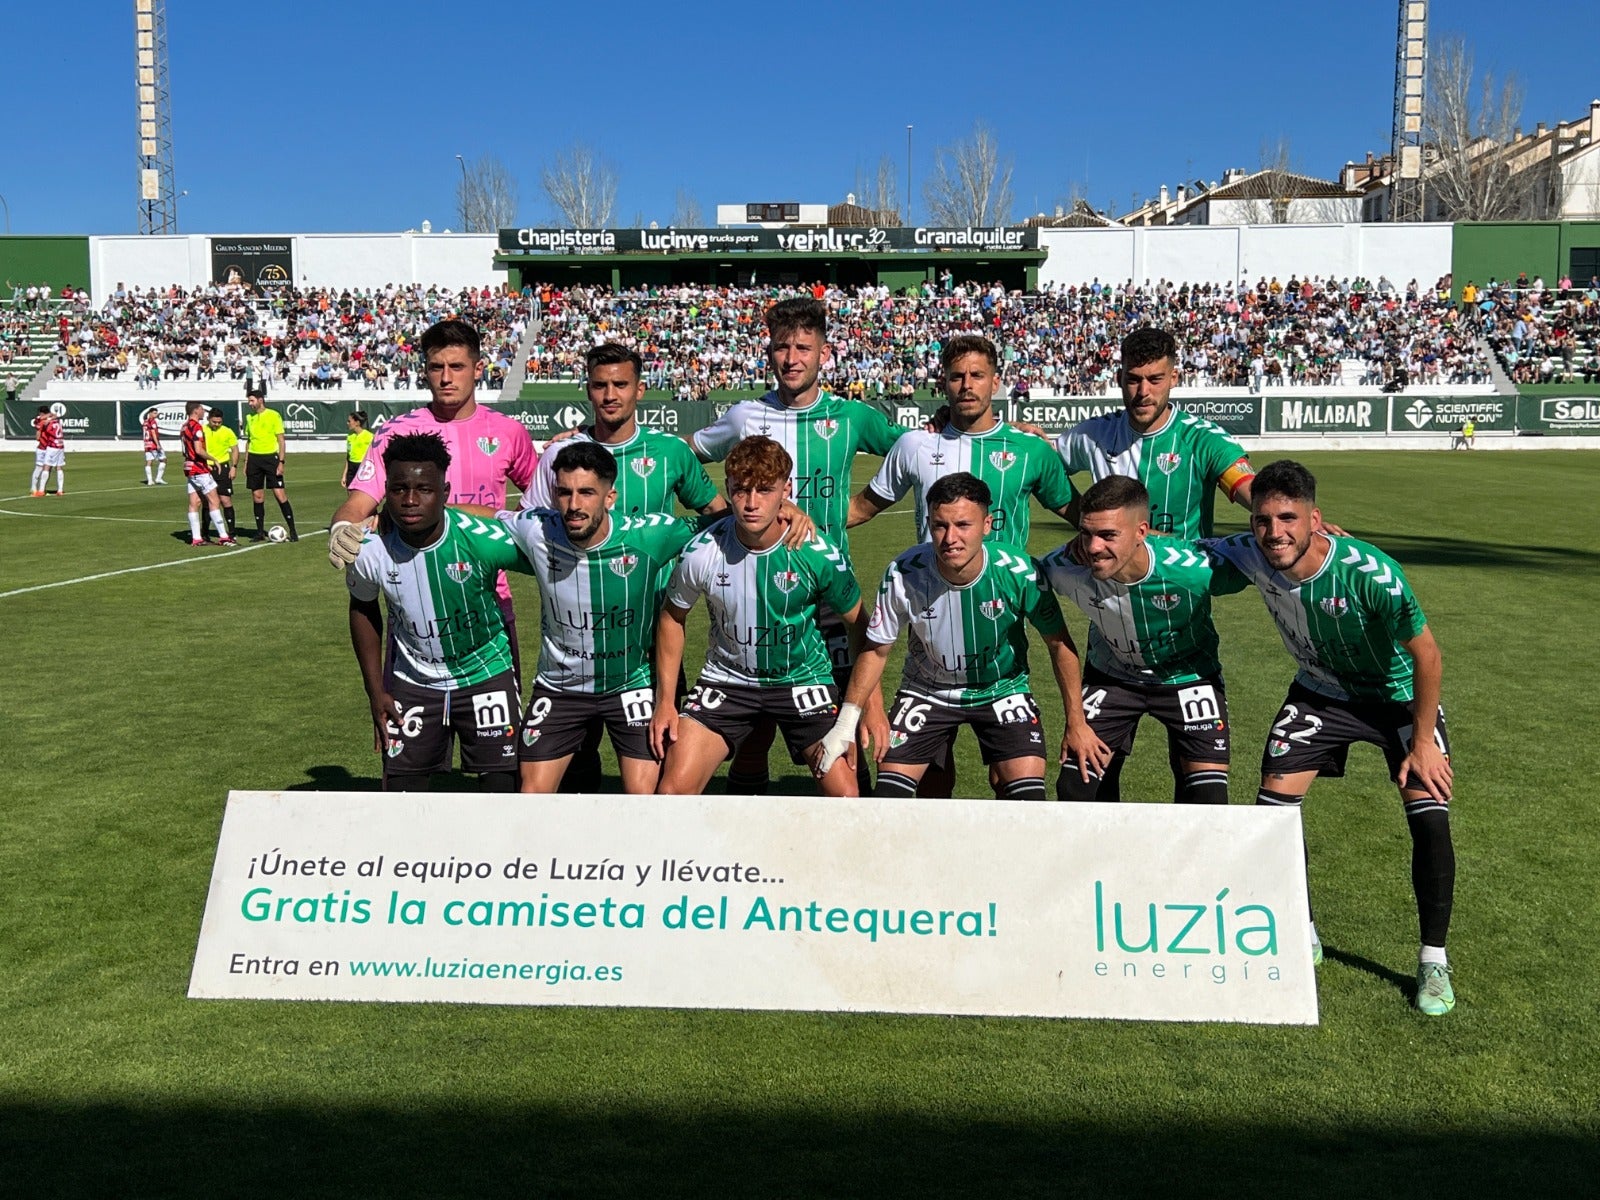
[643,466]
[623,564]
[396,749]
[1166,601]
[1334,606]
[368,469]
[1168,462]
[488,444]
[1277,748]
[825,428]
[992,608]
[530,735]
[1002,459]
[897,739]
[787,581]
[459,571]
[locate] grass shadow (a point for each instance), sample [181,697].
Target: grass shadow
[1404,984]
[329,778]
[1418,550]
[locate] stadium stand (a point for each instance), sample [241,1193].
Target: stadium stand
[1332,335]
[1542,335]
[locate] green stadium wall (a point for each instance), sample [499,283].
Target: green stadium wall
[1486,250]
[59,261]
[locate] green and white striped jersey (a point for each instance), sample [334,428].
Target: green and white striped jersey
[1014,464]
[652,467]
[598,606]
[444,617]
[1345,624]
[1157,629]
[1182,464]
[965,645]
[823,438]
[764,606]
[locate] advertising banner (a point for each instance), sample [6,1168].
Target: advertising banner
[1234,414]
[260,264]
[1446,414]
[1154,912]
[822,239]
[89,419]
[1294,412]
[1559,414]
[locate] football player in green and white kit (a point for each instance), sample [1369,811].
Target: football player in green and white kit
[964,604]
[1013,465]
[652,468]
[1182,460]
[822,433]
[601,578]
[1152,646]
[451,671]
[1370,671]
[766,658]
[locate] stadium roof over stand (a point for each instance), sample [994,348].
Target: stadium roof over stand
[898,256]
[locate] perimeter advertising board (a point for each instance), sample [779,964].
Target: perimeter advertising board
[1156,912]
[257,263]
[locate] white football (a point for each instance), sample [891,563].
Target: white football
[277,534]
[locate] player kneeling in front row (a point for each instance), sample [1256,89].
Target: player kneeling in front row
[964,605]
[766,656]
[451,669]
[1152,646]
[1370,671]
[601,579]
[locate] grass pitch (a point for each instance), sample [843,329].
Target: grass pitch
[134,701]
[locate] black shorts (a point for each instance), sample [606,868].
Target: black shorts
[350,470]
[1195,714]
[263,471]
[921,730]
[1313,733]
[803,713]
[558,723]
[483,718]
[224,477]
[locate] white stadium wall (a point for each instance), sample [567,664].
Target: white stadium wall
[320,260]
[1227,253]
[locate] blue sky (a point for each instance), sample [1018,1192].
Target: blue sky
[339,117]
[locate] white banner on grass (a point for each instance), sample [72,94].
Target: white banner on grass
[1145,911]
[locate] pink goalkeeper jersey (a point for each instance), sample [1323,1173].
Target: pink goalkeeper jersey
[486,450]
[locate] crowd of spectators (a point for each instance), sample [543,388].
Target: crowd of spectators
[314,338]
[1540,334]
[1302,332]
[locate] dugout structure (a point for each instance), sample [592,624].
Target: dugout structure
[847,256]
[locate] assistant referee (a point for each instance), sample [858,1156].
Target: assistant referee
[265,445]
[357,443]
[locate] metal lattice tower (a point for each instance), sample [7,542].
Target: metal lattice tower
[158,202]
[1410,86]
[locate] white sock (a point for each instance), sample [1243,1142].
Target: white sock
[61,479]
[219,524]
[161,471]
[194,526]
[37,485]
[1314,938]
[147,474]
[1433,954]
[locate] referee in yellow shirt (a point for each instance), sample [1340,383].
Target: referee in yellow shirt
[357,442]
[263,468]
[222,444]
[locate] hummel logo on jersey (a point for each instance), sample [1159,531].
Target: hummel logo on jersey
[1334,606]
[1166,601]
[393,575]
[787,581]
[459,571]
[643,466]
[1168,462]
[722,579]
[928,613]
[992,609]
[937,458]
[623,564]
[488,444]
[826,428]
[1002,459]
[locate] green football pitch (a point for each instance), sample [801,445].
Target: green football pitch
[143,679]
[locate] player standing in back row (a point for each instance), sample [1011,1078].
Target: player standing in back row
[822,434]
[51,452]
[1370,671]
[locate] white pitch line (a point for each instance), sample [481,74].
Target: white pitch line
[11,512]
[176,562]
[88,492]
